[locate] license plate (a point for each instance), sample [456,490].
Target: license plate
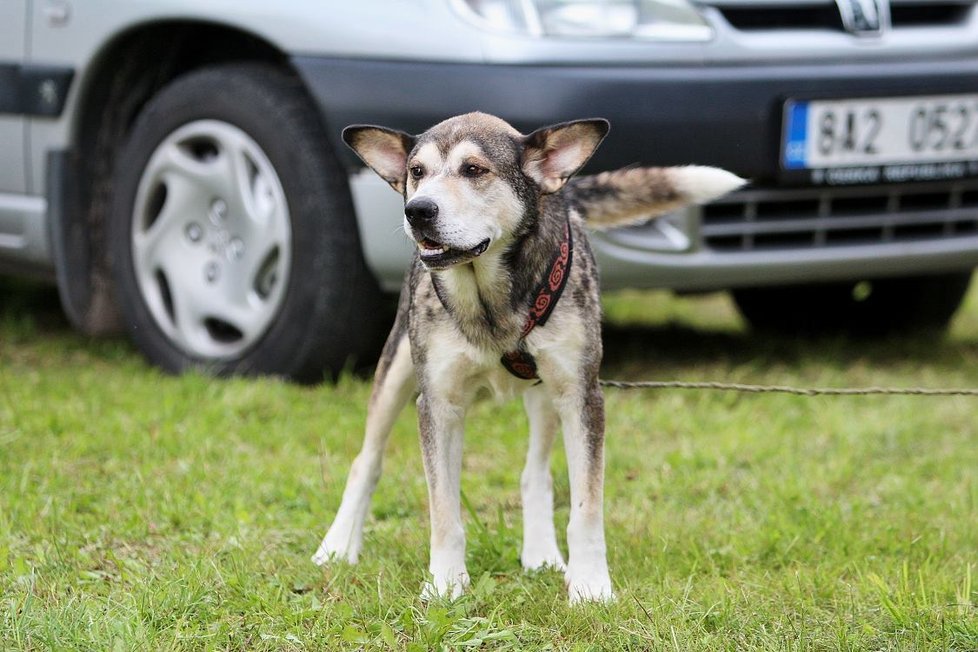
[879,132]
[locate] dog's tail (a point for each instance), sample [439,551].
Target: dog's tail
[634,195]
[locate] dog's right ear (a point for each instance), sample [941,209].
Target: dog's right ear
[551,155]
[384,150]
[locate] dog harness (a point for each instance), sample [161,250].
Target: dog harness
[520,362]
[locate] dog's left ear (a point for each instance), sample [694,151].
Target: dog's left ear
[384,150]
[551,155]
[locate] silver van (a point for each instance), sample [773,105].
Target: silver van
[174,166]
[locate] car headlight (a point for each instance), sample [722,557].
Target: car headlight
[665,20]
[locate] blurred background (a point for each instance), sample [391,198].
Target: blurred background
[174,168]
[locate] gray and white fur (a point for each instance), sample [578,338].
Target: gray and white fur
[487,207]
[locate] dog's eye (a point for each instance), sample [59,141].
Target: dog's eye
[473,170]
[417,171]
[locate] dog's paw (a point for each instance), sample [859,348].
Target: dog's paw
[592,585]
[342,546]
[449,586]
[540,557]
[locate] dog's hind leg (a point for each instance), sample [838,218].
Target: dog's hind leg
[536,484]
[582,416]
[394,383]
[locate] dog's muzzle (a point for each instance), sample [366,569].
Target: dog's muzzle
[436,255]
[421,214]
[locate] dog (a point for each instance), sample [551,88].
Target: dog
[503,295]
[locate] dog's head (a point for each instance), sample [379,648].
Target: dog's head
[472,182]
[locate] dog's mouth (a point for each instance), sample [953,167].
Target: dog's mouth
[436,255]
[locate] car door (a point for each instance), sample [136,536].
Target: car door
[13,18]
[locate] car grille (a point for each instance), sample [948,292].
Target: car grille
[758,220]
[825,15]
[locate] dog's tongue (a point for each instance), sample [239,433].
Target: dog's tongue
[430,245]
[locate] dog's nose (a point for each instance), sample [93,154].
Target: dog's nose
[420,211]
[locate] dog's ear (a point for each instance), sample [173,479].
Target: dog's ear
[384,150]
[551,155]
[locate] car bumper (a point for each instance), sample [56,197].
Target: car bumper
[710,115]
[706,270]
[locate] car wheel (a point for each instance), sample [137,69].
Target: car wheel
[878,307]
[234,244]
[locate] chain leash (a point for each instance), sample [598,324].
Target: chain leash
[783,389]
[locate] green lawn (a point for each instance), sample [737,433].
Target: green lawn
[142,512]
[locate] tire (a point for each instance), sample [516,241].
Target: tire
[881,307]
[232,236]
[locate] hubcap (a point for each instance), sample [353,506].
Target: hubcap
[211,239]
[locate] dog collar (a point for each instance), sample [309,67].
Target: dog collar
[520,362]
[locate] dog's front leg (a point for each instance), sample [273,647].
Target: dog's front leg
[582,416]
[440,425]
[394,383]
[536,485]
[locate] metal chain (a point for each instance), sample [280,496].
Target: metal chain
[782,389]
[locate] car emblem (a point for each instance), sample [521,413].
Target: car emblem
[865,17]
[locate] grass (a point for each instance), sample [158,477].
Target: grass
[140,511]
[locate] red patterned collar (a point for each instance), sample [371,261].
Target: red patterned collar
[520,362]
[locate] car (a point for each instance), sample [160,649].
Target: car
[176,169]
